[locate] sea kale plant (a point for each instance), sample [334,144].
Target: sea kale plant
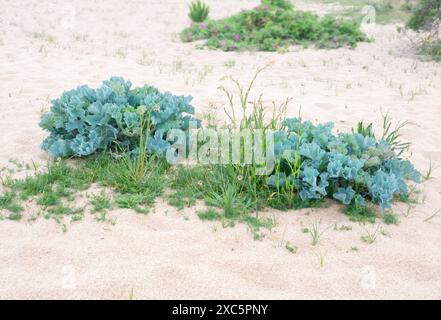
[349,167]
[273,25]
[85,120]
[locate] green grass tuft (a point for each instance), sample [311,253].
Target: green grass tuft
[100,203]
[187,185]
[209,215]
[8,202]
[390,219]
[15,216]
[198,11]
[358,213]
[255,224]
[140,203]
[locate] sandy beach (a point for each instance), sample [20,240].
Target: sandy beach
[49,46]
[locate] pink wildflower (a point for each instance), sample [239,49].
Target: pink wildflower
[203,25]
[265,8]
[236,38]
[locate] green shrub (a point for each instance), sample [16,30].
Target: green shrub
[274,25]
[198,11]
[424,14]
[426,17]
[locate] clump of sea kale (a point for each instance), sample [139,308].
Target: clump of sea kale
[273,25]
[85,120]
[349,167]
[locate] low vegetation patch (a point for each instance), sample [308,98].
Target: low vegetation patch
[274,25]
[430,48]
[426,19]
[9,203]
[119,137]
[360,213]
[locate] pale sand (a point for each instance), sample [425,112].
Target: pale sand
[47,47]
